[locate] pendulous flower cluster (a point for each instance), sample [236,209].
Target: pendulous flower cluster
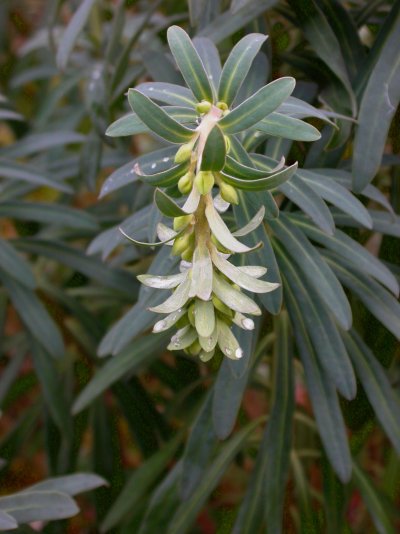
[210,167]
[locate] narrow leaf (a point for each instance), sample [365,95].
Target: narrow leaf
[258,106]
[157,119]
[237,66]
[189,63]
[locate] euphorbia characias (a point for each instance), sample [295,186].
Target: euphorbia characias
[209,166]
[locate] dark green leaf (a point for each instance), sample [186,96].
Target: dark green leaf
[35,316]
[379,301]
[77,260]
[314,268]
[373,501]
[200,445]
[128,361]
[15,265]
[189,63]
[70,35]
[333,192]
[214,151]
[323,395]
[169,93]
[157,119]
[138,485]
[209,55]
[258,106]
[376,385]
[166,205]
[378,106]
[48,214]
[25,173]
[323,333]
[187,511]
[39,142]
[279,125]
[159,159]
[264,497]
[266,183]
[340,243]
[237,66]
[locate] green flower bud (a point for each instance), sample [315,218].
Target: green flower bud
[195,348]
[185,183]
[181,243]
[183,321]
[228,193]
[184,152]
[191,315]
[203,107]
[222,105]
[220,247]
[187,254]
[204,181]
[181,222]
[227,143]
[220,306]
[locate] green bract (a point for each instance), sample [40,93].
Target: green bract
[208,168]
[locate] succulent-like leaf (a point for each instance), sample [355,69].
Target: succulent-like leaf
[189,63]
[258,106]
[157,119]
[237,66]
[213,158]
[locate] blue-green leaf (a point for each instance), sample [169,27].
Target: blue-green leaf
[214,151]
[169,93]
[70,35]
[189,63]
[34,316]
[157,119]
[323,394]
[237,66]
[376,385]
[258,106]
[265,492]
[313,267]
[279,125]
[378,106]
[15,265]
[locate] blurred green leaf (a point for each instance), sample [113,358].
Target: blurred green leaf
[72,32]
[264,496]
[378,106]
[34,316]
[15,265]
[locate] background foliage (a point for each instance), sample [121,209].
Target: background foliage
[189,447]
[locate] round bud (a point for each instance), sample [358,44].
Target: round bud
[187,254]
[180,244]
[184,152]
[185,183]
[195,348]
[220,306]
[181,222]
[191,315]
[204,182]
[203,107]
[222,105]
[228,193]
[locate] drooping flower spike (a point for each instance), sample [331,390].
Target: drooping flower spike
[210,166]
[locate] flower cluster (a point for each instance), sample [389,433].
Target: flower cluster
[210,167]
